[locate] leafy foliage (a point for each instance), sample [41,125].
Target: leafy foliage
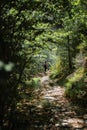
[30,32]
[76,85]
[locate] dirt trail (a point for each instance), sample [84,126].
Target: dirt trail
[51,110]
[63,115]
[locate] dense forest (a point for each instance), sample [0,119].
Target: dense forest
[32,32]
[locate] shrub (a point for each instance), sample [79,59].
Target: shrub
[76,86]
[33,83]
[59,70]
[26,89]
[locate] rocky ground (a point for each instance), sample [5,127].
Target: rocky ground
[51,110]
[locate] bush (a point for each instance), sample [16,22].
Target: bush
[33,83]
[59,70]
[26,89]
[76,86]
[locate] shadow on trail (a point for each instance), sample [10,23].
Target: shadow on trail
[50,110]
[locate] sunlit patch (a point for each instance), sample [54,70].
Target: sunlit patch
[76,123]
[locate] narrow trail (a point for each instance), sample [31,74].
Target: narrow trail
[66,115]
[53,111]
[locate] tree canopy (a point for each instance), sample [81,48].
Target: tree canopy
[32,31]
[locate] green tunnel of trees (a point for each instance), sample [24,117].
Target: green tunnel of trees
[32,31]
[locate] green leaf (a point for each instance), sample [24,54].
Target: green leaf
[9,67]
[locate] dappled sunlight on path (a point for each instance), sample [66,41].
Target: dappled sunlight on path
[65,116]
[57,92]
[51,110]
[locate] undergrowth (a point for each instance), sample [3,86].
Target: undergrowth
[76,86]
[59,71]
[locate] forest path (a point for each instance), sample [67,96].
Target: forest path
[52,93]
[54,111]
[51,110]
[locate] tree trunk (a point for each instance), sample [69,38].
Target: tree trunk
[69,56]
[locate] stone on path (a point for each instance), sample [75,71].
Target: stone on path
[49,98]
